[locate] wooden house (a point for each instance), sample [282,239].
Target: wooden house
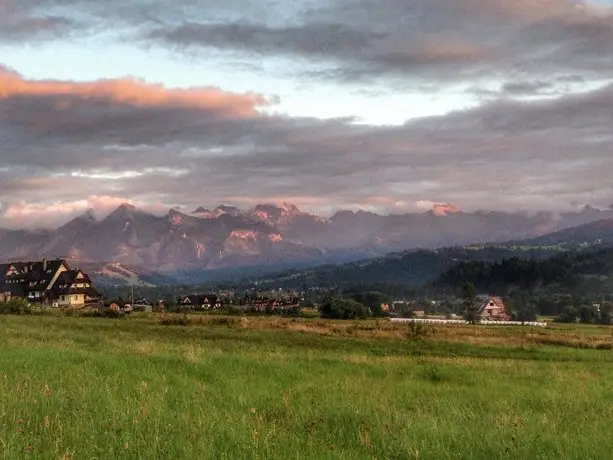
[47,282]
[492,309]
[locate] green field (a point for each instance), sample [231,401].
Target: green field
[94,388]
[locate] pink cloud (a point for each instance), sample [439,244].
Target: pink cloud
[131,92]
[50,215]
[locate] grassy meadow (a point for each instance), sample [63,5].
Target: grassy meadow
[231,387]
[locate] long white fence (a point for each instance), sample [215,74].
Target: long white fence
[460,321]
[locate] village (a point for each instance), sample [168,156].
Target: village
[54,284]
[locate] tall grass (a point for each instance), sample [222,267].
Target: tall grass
[261,388]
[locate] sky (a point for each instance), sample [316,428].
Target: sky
[384,105]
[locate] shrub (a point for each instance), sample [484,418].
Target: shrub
[339,308]
[294,312]
[179,309]
[15,307]
[102,313]
[417,330]
[174,320]
[231,310]
[605,315]
[227,321]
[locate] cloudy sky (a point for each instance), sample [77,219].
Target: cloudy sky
[388,105]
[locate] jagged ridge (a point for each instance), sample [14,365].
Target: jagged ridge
[268,235]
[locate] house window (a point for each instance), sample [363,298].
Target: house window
[75,297]
[63,298]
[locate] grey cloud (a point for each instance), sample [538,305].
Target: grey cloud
[28,28]
[399,42]
[438,41]
[513,154]
[316,39]
[341,52]
[24,21]
[526,88]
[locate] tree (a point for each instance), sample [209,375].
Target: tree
[522,308]
[372,300]
[569,314]
[471,309]
[587,314]
[335,307]
[606,313]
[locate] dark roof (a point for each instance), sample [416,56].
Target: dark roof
[66,280]
[34,276]
[70,277]
[496,300]
[20,278]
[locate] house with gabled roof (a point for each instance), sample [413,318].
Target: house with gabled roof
[492,308]
[198,301]
[74,287]
[46,282]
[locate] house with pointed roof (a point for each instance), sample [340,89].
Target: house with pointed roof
[492,308]
[46,282]
[74,287]
[198,301]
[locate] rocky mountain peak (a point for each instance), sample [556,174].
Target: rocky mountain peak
[89,215]
[444,209]
[125,210]
[275,214]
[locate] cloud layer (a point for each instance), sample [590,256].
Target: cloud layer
[534,133]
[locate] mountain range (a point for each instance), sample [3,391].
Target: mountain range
[269,236]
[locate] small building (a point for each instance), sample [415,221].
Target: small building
[74,288]
[201,302]
[276,302]
[492,309]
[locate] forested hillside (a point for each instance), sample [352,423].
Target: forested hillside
[571,272]
[413,268]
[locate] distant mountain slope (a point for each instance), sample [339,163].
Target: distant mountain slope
[598,233]
[526,262]
[115,274]
[410,267]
